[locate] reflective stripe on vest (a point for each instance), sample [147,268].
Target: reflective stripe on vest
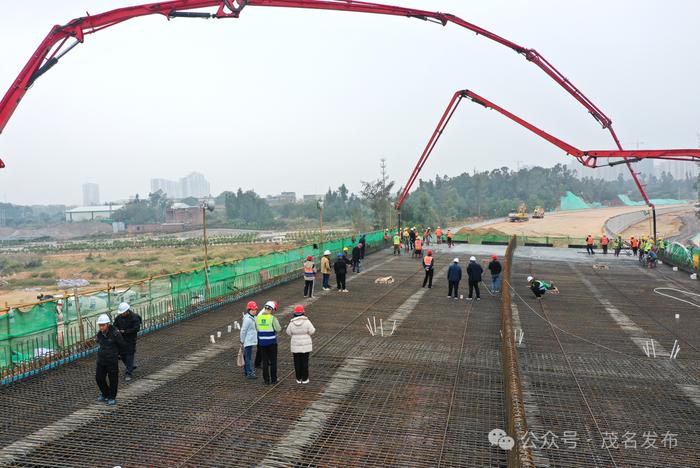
[266,332]
[427,261]
[309,271]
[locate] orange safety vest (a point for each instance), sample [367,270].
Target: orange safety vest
[634,243]
[449,234]
[589,240]
[419,245]
[427,261]
[604,240]
[438,233]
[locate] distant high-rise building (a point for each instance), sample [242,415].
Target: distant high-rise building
[192,185]
[91,194]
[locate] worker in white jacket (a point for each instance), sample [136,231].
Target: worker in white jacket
[300,329]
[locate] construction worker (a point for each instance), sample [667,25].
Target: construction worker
[268,327]
[426,237]
[386,238]
[341,270]
[326,269]
[412,238]
[495,269]
[345,256]
[474,272]
[642,246]
[356,258]
[438,235]
[249,338]
[363,244]
[418,249]
[589,245]
[539,287]
[449,238]
[111,345]
[663,244]
[634,245]
[617,245]
[454,276]
[397,244]
[604,241]
[428,266]
[309,276]
[128,323]
[301,329]
[406,239]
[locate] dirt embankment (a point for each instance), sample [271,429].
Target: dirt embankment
[579,223]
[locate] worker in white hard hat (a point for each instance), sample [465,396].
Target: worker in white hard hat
[128,323]
[539,287]
[326,269]
[474,272]
[111,345]
[268,326]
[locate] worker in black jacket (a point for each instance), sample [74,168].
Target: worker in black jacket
[474,272]
[128,323]
[111,345]
[356,258]
[341,271]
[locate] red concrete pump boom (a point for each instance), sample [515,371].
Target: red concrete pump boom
[588,158]
[54,46]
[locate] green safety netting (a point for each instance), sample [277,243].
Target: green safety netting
[626,200]
[45,329]
[571,201]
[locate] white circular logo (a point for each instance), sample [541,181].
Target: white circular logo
[506,443]
[495,435]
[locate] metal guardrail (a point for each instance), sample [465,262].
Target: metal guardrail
[516,425]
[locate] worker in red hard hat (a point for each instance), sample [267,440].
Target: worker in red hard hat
[249,338]
[428,266]
[495,268]
[300,329]
[309,276]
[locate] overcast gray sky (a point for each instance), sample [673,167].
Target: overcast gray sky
[302,100]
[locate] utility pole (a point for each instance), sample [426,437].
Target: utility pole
[385,196]
[206,205]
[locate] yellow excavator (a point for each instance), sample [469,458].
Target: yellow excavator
[520,215]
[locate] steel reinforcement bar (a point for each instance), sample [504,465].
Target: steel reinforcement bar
[516,426]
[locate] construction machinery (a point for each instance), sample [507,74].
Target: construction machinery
[520,215]
[538,212]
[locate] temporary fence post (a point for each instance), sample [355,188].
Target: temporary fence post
[80,318]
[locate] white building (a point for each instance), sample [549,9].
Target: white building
[91,194]
[192,185]
[91,213]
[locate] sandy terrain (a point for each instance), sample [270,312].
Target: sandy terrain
[580,223]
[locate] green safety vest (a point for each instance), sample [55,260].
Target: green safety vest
[397,240]
[266,332]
